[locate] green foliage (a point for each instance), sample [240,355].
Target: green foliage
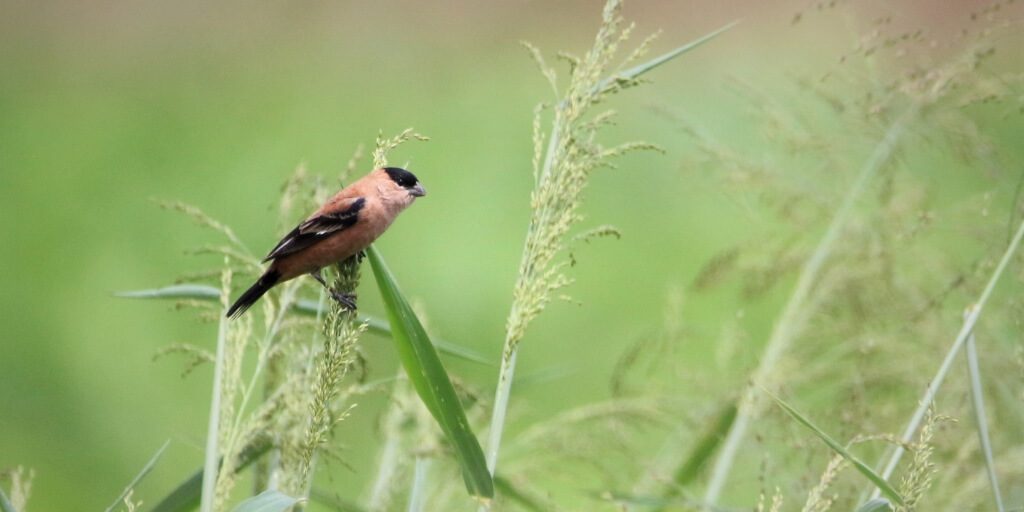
[302,306]
[980,418]
[138,478]
[430,380]
[876,505]
[702,451]
[21,488]
[561,170]
[267,501]
[838,186]
[186,495]
[863,468]
[5,503]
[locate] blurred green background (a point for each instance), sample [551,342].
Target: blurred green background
[106,105]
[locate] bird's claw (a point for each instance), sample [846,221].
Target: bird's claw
[347,300]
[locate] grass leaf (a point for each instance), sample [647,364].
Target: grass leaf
[212,463]
[186,495]
[800,304]
[627,501]
[706,445]
[430,380]
[978,404]
[510,491]
[970,319]
[841,450]
[303,306]
[640,69]
[177,291]
[138,478]
[333,502]
[267,501]
[559,182]
[876,505]
[5,503]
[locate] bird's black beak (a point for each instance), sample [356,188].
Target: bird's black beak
[417,191]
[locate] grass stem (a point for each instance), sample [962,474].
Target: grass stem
[138,478]
[418,493]
[390,453]
[971,318]
[505,376]
[978,402]
[211,464]
[790,323]
[5,503]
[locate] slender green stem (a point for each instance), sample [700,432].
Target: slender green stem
[418,494]
[211,466]
[387,465]
[506,373]
[970,320]
[638,70]
[387,462]
[5,503]
[566,113]
[978,401]
[187,494]
[790,322]
[262,358]
[505,376]
[842,450]
[138,478]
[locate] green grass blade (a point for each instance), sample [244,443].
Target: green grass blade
[458,351]
[978,403]
[841,450]
[303,306]
[383,328]
[138,478]
[527,502]
[5,503]
[176,291]
[420,479]
[333,502]
[627,501]
[267,501]
[801,303]
[970,319]
[640,69]
[710,441]
[876,505]
[186,496]
[430,380]
[706,445]
[211,463]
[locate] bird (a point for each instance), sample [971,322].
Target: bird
[340,229]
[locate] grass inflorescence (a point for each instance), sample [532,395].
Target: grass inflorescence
[850,256]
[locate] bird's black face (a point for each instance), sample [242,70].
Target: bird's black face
[406,180]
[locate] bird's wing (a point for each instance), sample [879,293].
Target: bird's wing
[318,228]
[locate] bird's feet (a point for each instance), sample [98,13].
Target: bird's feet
[347,300]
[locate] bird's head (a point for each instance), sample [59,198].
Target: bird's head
[404,182]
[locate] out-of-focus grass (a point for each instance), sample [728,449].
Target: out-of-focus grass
[104,107]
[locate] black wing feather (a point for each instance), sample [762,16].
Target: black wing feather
[316,229]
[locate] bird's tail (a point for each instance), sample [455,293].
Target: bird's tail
[263,284]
